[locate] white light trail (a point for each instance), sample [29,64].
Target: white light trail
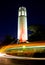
[2,54]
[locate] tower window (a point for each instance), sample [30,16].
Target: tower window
[25,13]
[19,13]
[22,12]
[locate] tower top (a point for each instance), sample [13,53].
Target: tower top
[22,8]
[22,11]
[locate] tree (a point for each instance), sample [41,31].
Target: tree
[38,32]
[8,40]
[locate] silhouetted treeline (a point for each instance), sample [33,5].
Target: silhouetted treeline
[8,40]
[38,33]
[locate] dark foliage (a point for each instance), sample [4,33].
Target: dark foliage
[8,40]
[39,35]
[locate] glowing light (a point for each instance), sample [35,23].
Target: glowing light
[1,54]
[19,13]
[24,46]
[22,12]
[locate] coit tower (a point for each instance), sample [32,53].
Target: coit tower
[22,25]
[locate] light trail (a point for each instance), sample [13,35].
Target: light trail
[2,54]
[28,47]
[23,45]
[22,58]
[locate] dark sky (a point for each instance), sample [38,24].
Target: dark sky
[9,15]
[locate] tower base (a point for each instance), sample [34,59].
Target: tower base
[18,41]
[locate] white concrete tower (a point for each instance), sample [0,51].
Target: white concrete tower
[22,24]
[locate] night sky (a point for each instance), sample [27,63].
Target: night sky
[9,15]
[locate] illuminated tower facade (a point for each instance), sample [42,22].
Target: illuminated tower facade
[22,24]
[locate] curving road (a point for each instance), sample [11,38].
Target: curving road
[21,58]
[15,60]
